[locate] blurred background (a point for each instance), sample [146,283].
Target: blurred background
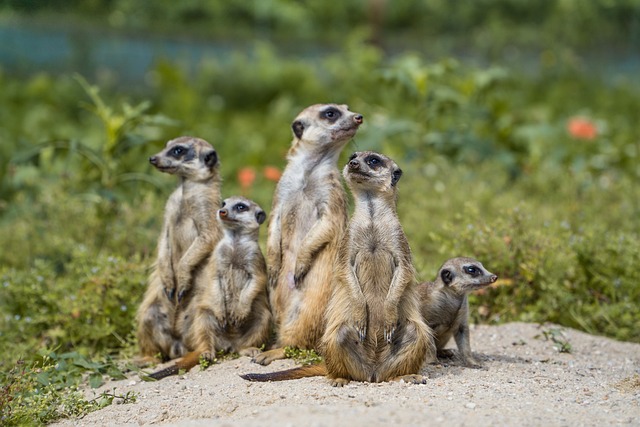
[516,123]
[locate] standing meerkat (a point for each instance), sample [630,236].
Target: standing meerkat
[308,217]
[232,312]
[375,331]
[445,305]
[188,237]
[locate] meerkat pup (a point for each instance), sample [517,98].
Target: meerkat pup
[375,331]
[232,313]
[308,217]
[445,305]
[188,237]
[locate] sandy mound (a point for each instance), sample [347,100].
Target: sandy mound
[526,382]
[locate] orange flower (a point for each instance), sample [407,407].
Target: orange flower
[246,176]
[272,173]
[581,128]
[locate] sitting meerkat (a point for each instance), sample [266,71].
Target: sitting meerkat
[232,313]
[188,237]
[445,305]
[375,331]
[308,217]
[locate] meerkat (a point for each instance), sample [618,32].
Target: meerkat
[188,237]
[232,313]
[374,331]
[445,305]
[308,217]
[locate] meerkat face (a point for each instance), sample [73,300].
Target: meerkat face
[371,171]
[465,274]
[188,157]
[241,213]
[326,124]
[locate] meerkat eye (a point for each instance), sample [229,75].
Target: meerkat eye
[177,151]
[472,270]
[353,156]
[373,161]
[241,207]
[331,114]
[223,204]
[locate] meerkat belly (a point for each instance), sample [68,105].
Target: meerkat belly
[235,281]
[374,270]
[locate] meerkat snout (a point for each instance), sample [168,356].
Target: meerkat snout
[153,160]
[358,118]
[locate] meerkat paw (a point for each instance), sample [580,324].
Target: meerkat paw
[446,353]
[359,319]
[390,323]
[170,293]
[250,351]
[300,273]
[473,363]
[412,379]
[223,321]
[182,292]
[236,319]
[338,382]
[268,356]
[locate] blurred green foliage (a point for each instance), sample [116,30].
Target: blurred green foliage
[534,173]
[489,26]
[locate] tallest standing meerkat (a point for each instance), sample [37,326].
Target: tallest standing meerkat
[308,217]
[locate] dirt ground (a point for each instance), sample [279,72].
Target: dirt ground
[527,382]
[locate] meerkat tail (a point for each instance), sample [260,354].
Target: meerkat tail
[289,374]
[185,363]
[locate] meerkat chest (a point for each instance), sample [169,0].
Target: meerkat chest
[234,257]
[445,313]
[306,183]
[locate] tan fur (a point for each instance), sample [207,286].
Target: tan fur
[374,328]
[232,311]
[188,237]
[445,305]
[308,217]
[233,314]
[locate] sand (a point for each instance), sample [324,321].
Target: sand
[526,382]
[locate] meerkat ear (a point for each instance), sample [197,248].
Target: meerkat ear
[261,216]
[298,128]
[447,276]
[395,176]
[210,158]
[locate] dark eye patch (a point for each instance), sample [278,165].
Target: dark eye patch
[223,204]
[353,156]
[240,207]
[374,161]
[472,270]
[332,114]
[177,151]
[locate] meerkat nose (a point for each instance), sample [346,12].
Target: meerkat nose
[222,213]
[493,278]
[358,118]
[354,164]
[153,160]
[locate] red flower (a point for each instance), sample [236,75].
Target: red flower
[581,128]
[272,173]
[246,176]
